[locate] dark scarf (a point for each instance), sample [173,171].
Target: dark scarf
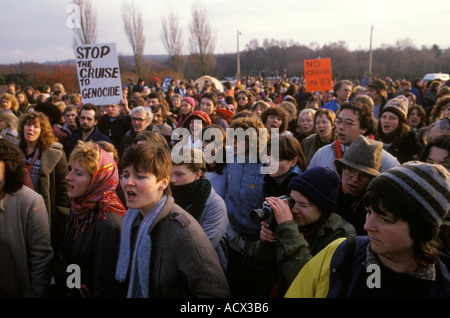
[192,196]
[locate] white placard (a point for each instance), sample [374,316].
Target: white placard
[98,74]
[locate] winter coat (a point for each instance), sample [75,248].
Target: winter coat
[326,155]
[183,262]
[214,221]
[53,188]
[324,275]
[276,189]
[333,105]
[218,181]
[293,249]
[96,251]
[115,129]
[404,149]
[352,209]
[26,253]
[165,130]
[310,145]
[246,191]
[73,139]
[128,140]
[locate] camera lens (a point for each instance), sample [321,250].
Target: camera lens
[260,215]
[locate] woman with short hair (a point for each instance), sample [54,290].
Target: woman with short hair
[164,252]
[92,233]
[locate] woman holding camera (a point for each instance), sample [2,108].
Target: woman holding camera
[305,227]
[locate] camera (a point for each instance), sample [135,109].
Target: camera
[266,214]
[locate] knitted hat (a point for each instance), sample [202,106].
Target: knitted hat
[320,185]
[419,189]
[200,115]
[364,154]
[191,101]
[397,105]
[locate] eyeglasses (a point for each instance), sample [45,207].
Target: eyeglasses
[346,123]
[137,120]
[242,97]
[350,172]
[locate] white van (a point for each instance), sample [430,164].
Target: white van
[433,76]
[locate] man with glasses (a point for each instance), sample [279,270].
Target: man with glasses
[141,120]
[353,119]
[359,165]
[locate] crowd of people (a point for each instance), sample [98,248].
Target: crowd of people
[359,176]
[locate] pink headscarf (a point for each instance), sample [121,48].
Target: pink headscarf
[101,194]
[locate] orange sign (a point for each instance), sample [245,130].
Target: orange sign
[318,75]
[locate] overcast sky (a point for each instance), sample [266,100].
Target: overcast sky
[36,30]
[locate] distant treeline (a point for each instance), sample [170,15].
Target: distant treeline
[402,60]
[272,58]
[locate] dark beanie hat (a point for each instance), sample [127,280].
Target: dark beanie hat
[320,185]
[419,189]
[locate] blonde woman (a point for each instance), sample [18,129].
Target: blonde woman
[9,103]
[305,124]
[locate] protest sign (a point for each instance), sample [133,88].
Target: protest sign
[318,75]
[99,74]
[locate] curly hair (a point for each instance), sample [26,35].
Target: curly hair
[252,128]
[12,99]
[276,111]
[14,160]
[46,138]
[438,110]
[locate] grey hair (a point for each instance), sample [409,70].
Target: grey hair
[146,110]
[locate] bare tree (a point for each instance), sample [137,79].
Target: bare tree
[171,36]
[86,31]
[134,29]
[202,40]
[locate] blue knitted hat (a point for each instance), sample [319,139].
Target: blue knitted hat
[320,185]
